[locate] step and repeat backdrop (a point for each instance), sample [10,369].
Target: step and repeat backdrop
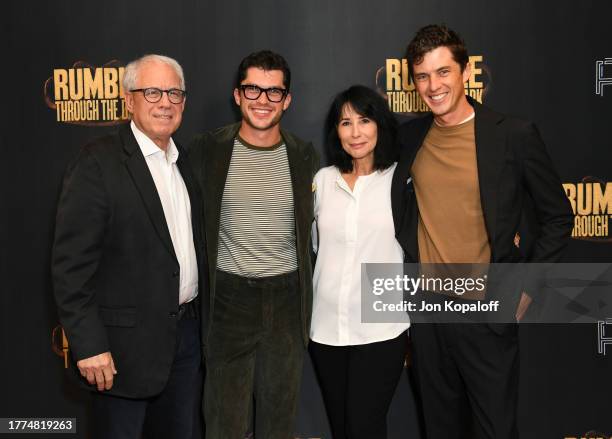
[550,63]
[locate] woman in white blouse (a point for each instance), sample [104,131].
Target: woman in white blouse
[358,364]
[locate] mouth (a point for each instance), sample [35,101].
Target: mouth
[261,112]
[357,145]
[438,97]
[163,116]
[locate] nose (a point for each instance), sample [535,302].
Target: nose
[263,98]
[355,130]
[434,82]
[165,100]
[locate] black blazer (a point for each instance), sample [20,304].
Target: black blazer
[115,273]
[210,154]
[512,165]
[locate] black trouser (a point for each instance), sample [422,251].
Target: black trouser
[255,346]
[170,414]
[358,383]
[467,376]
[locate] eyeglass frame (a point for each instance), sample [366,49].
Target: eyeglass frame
[161,94]
[284,91]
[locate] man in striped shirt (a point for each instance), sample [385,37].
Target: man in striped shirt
[257,184]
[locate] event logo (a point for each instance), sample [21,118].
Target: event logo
[393,82]
[589,435]
[603,75]
[591,202]
[604,335]
[59,344]
[86,95]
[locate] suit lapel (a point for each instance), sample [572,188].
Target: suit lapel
[139,171]
[301,182]
[403,171]
[400,177]
[217,166]
[403,198]
[490,156]
[195,198]
[424,125]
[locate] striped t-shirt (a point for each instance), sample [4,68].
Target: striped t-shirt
[257,224]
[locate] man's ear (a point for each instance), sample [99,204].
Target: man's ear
[237,96]
[129,101]
[467,72]
[287,101]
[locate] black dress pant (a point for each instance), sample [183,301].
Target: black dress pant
[171,414]
[467,378]
[358,383]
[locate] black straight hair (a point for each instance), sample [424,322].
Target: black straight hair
[365,102]
[267,60]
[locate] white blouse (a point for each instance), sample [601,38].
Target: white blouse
[351,227]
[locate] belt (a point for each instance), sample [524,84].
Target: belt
[287,280]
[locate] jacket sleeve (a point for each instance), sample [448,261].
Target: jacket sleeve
[81,222]
[552,208]
[553,211]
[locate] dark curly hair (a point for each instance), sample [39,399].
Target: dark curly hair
[267,60]
[431,37]
[366,102]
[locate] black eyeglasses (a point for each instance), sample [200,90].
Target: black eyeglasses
[153,95]
[253,92]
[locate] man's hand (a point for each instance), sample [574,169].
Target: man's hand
[522,306]
[99,370]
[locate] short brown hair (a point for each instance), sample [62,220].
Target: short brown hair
[431,37]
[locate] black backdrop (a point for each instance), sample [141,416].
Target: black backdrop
[540,63]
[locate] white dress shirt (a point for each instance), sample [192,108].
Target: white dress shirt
[177,208]
[351,227]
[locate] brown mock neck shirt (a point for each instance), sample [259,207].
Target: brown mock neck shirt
[451,222]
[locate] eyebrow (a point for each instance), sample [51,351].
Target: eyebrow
[279,87]
[436,70]
[359,116]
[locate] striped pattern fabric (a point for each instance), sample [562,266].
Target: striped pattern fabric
[257,224]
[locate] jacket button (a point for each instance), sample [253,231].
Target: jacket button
[175,274]
[172,314]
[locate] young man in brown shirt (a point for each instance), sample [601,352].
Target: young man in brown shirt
[458,195]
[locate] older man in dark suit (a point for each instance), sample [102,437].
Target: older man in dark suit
[125,263]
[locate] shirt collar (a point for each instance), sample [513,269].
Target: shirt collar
[378,172]
[148,147]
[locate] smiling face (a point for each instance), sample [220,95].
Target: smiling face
[439,81]
[161,119]
[358,134]
[260,114]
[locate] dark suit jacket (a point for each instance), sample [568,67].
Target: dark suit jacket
[210,154]
[512,165]
[115,273]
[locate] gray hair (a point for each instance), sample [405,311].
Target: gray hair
[131,70]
